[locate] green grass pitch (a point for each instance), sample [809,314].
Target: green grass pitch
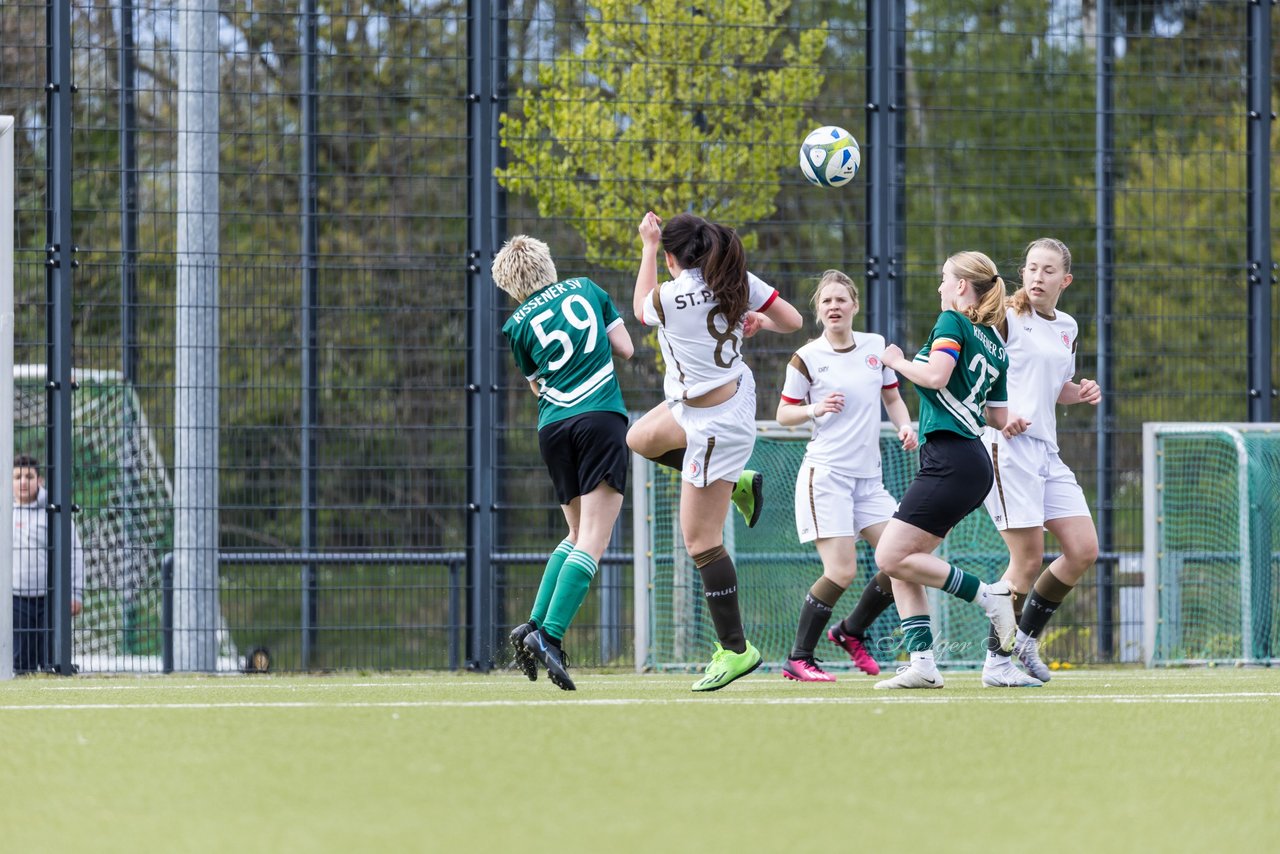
[1096,761]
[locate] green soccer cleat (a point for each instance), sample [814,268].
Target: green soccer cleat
[727,666]
[748,496]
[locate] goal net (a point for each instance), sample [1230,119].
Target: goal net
[1211,542]
[775,569]
[125,523]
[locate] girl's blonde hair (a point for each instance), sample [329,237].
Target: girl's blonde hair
[981,274]
[834,277]
[523,266]
[1020,302]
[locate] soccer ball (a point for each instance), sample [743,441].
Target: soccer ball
[829,157]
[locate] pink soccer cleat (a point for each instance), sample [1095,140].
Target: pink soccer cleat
[805,670]
[857,651]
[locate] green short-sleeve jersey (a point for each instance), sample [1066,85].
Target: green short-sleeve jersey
[560,340]
[977,381]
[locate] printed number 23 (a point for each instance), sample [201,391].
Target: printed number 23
[585,321]
[981,366]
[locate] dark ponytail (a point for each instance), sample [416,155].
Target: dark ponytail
[717,252]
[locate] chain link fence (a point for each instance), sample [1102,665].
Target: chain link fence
[287,197]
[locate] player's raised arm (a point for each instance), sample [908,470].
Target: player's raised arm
[780,316]
[647,278]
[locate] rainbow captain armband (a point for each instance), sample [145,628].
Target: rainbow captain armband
[946,345]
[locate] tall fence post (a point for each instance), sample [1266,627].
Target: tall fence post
[195,411]
[886,205]
[59,262]
[128,198]
[1104,239]
[310,340]
[1262,278]
[1261,264]
[482,374]
[8,171]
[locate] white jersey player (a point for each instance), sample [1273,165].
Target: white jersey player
[706,426]
[839,381]
[1034,489]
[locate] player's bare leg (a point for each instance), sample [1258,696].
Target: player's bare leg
[657,436]
[905,553]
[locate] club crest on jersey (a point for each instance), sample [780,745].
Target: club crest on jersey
[1066,340]
[873,362]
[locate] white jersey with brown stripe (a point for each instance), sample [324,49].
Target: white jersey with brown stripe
[847,441]
[701,350]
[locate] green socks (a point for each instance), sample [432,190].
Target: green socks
[917,636]
[548,584]
[571,588]
[962,585]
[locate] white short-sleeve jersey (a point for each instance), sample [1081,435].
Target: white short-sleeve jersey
[1042,359]
[701,354]
[847,441]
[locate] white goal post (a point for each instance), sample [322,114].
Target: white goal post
[1210,542]
[673,629]
[7,175]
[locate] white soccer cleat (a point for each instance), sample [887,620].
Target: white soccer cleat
[911,676]
[1005,674]
[997,600]
[1027,649]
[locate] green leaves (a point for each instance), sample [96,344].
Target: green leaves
[665,107]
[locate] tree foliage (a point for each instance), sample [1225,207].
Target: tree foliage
[668,107]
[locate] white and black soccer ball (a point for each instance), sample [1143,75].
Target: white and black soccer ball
[829,157]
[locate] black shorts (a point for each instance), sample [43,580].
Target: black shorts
[955,477]
[584,450]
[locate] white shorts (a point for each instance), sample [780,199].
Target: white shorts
[1032,484]
[830,504]
[719,439]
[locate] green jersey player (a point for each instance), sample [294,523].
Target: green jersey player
[564,336]
[960,376]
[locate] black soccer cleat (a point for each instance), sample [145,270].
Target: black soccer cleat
[524,659]
[552,658]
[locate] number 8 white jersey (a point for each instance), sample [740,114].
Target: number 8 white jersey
[560,340]
[700,352]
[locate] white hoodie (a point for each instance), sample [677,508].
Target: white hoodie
[31,550]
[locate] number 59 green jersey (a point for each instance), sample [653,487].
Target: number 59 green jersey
[560,340]
[977,381]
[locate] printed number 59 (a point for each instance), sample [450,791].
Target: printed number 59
[586,321]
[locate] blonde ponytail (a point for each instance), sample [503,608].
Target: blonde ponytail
[980,272]
[990,308]
[1020,302]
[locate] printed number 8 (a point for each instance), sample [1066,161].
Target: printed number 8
[729,336]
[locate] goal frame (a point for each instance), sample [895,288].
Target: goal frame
[642,512]
[7,177]
[1152,521]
